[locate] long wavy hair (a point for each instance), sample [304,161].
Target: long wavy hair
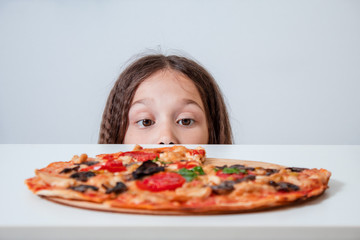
[115,117]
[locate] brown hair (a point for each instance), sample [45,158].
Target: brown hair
[115,117]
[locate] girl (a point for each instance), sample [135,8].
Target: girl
[165,100]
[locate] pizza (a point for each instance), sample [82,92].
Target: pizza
[174,180]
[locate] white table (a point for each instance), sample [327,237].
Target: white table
[334,215]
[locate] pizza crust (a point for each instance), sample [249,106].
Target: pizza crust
[260,205]
[222,161]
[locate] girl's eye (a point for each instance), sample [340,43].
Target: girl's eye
[186,122]
[145,122]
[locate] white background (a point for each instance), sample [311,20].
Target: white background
[289,70]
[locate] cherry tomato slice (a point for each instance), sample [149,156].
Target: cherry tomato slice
[161,181]
[114,166]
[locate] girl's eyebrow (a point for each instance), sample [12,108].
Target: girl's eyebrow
[144,101]
[188,101]
[150,101]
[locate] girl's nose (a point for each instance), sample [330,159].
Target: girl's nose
[167,136]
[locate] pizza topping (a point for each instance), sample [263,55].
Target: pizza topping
[187,164]
[246,178]
[270,171]
[67,170]
[223,188]
[228,186]
[200,152]
[83,188]
[296,169]
[161,181]
[114,166]
[234,168]
[82,176]
[140,156]
[242,167]
[231,174]
[111,166]
[88,163]
[159,161]
[120,187]
[146,168]
[190,174]
[110,156]
[217,168]
[83,157]
[191,190]
[284,186]
[173,157]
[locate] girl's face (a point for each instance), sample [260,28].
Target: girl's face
[167,108]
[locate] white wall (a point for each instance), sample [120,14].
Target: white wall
[290,70]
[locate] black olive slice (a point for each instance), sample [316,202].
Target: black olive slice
[271,171]
[145,169]
[82,176]
[296,169]
[223,188]
[240,167]
[246,178]
[221,167]
[67,170]
[120,187]
[88,163]
[83,188]
[228,186]
[237,166]
[284,186]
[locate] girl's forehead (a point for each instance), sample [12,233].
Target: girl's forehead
[170,77]
[168,83]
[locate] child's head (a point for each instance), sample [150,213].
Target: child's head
[163,100]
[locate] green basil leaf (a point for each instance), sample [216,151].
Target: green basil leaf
[243,171]
[233,170]
[230,170]
[187,174]
[198,170]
